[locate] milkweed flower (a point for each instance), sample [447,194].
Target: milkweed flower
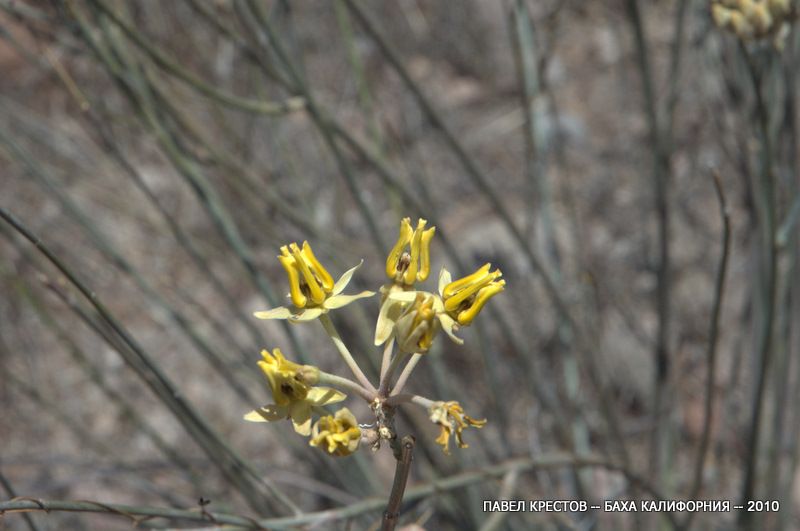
[452,420]
[417,326]
[398,305]
[337,434]
[404,267]
[464,298]
[311,288]
[292,391]
[755,19]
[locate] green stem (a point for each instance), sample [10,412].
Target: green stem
[383,389]
[387,357]
[327,378]
[407,370]
[343,350]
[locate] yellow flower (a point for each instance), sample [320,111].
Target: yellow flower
[311,287]
[403,268]
[338,434]
[755,19]
[721,15]
[451,418]
[464,298]
[397,305]
[289,381]
[291,389]
[417,326]
[394,299]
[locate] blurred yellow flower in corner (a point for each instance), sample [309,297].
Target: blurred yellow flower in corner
[756,19]
[294,397]
[337,434]
[311,287]
[451,418]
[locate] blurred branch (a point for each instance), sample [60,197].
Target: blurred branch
[140,515]
[9,490]
[117,260]
[507,489]
[711,351]
[173,68]
[768,261]
[298,84]
[229,463]
[661,155]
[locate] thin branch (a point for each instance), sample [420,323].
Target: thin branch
[386,381]
[660,184]
[407,370]
[345,352]
[392,513]
[139,514]
[387,357]
[236,470]
[768,286]
[6,484]
[711,353]
[327,378]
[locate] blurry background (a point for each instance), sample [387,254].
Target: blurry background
[163,151]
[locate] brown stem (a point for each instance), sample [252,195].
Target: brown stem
[392,513]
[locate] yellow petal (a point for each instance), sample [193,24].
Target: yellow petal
[288,263]
[402,240]
[344,280]
[404,296]
[387,317]
[721,15]
[453,302]
[449,326]
[445,278]
[410,274]
[466,316]
[309,314]
[338,301]
[322,396]
[268,413]
[325,278]
[268,358]
[425,254]
[276,313]
[300,412]
[317,294]
[270,370]
[461,283]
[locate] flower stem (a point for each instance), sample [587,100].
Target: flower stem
[387,357]
[407,370]
[385,383]
[327,378]
[427,403]
[342,348]
[396,400]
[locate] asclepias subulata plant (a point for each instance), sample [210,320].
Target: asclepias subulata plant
[408,323]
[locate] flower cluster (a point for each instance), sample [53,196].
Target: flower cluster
[292,390]
[414,317]
[409,318]
[755,19]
